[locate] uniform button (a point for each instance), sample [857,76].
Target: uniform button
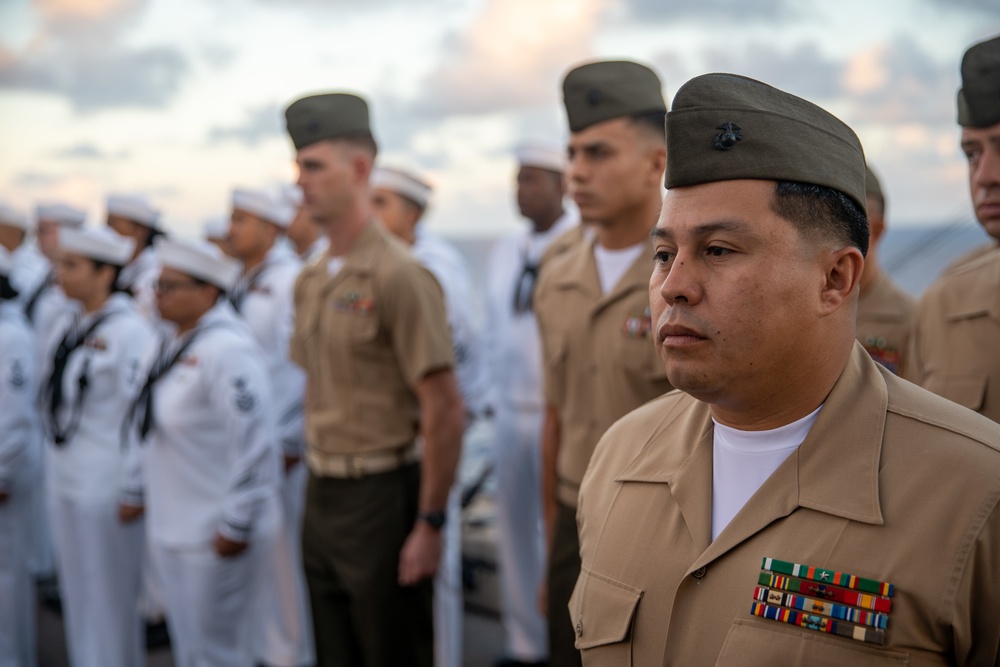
[579,628]
[699,573]
[593,368]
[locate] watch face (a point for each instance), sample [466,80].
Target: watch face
[435,519]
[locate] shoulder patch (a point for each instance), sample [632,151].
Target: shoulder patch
[245,400]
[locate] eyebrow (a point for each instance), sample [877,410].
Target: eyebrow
[738,226]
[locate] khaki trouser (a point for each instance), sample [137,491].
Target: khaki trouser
[353,532]
[564,569]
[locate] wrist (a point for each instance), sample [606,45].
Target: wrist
[436,519]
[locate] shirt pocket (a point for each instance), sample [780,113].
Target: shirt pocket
[967,390]
[761,643]
[602,611]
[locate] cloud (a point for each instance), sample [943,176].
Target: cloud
[988,7]
[78,54]
[898,82]
[35,179]
[722,12]
[258,124]
[85,151]
[512,56]
[801,70]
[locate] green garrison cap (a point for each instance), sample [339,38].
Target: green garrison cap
[326,116]
[726,127]
[872,186]
[979,96]
[600,91]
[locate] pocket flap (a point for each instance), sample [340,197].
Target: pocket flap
[601,609]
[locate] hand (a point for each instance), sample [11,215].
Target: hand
[129,513]
[227,548]
[4,497]
[291,462]
[421,554]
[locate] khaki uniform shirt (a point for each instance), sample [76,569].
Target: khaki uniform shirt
[956,338]
[971,256]
[891,483]
[598,352]
[365,336]
[885,319]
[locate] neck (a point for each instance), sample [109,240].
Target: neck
[254,260]
[189,323]
[304,243]
[805,387]
[95,303]
[544,223]
[345,230]
[630,228]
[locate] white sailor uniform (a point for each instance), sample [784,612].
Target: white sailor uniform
[211,465]
[97,557]
[265,299]
[516,365]
[20,457]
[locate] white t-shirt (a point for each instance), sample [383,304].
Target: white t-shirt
[334,265]
[743,460]
[612,264]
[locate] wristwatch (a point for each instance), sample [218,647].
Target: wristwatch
[436,518]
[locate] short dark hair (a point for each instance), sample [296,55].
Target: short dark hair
[7,291]
[652,121]
[363,139]
[115,287]
[822,213]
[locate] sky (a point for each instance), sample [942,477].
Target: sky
[183,100]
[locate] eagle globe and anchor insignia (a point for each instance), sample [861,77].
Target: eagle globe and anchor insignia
[731,133]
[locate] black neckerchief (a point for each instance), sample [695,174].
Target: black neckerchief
[32,302]
[54,385]
[524,286]
[244,288]
[141,410]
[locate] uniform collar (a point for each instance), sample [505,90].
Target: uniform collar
[980,295]
[579,271]
[834,470]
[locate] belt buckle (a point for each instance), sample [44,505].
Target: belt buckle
[355,467]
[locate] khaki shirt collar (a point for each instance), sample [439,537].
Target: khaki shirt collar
[359,260]
[834,470]
[978,297]
[580,272]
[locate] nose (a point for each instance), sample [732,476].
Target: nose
[681,283]
[987,173]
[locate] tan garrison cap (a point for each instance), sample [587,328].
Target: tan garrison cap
[979,96]
[726,127]
[600,91]
[327,116]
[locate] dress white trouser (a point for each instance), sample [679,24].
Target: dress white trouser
[98,561]
[520,547]
[282,623]
[448,607]
[17,590]
[207,601]
[41,558]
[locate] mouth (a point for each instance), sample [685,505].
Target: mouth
[988,209]
[677,335]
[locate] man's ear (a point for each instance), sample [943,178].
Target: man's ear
[843,268]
